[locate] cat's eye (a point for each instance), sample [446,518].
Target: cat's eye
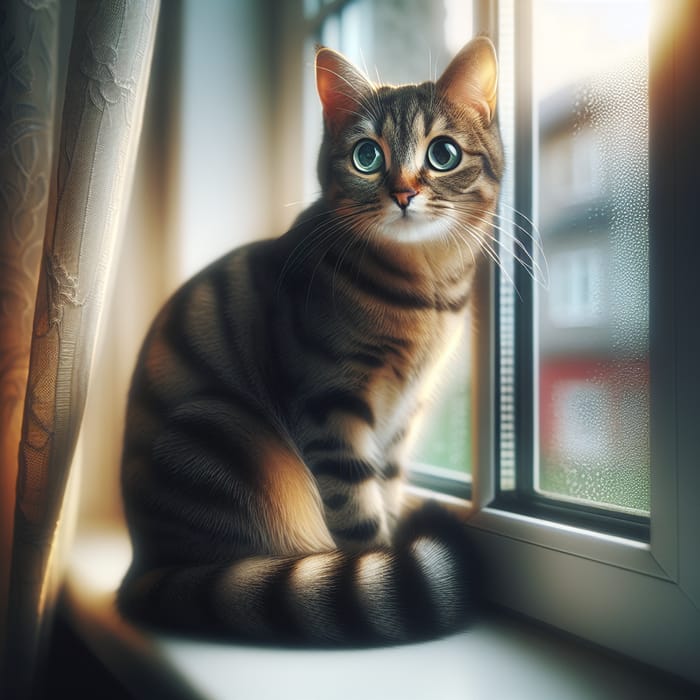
[444,154]
[367,157]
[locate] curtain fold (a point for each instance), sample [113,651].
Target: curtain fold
[102,112]
[28,49]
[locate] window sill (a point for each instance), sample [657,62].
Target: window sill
[589,544]
[539,663]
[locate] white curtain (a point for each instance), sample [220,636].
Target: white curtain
[62,207]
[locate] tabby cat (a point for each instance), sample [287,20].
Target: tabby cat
[273,399]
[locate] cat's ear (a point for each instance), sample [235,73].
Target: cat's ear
[342,88]
[472,77]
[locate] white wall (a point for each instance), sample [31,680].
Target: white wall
[224,173]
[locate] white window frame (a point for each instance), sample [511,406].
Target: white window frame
[636,598]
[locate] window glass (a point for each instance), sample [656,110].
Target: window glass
[590,99]
[573,105]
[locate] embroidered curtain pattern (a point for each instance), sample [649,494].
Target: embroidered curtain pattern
[82,216]
[28,52]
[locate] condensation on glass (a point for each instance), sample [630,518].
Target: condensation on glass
[590,89]
[402,41]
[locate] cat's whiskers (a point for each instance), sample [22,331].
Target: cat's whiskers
[453,236]
[363,228]
[529,260]
[364,62]
[486,245]
[493,255]
[446,213]
[302,251]
[523,258]
[306,202]
[327,234]
[433,77]
[433,94]
[517,212]
[353,112]
[306,246]
[483,239]
[456,235]
[533,235]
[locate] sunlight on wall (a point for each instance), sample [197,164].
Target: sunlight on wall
[224,132]
[459,24]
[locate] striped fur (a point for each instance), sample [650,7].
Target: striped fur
[272,405]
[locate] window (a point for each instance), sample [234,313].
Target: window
[583,517]
[585,486]
[578,147]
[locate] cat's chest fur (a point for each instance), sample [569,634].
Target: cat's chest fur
[400,392]
[380,330]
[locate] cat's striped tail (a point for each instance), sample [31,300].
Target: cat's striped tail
[421,587]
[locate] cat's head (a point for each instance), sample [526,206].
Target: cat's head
[413,163]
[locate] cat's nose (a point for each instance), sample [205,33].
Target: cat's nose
[403,197]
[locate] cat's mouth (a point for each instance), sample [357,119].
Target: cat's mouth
[411,212]
[404,217]
[411,226]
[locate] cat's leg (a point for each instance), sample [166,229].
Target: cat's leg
[392,482]
[355,513]
[351,483]
[222,476]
